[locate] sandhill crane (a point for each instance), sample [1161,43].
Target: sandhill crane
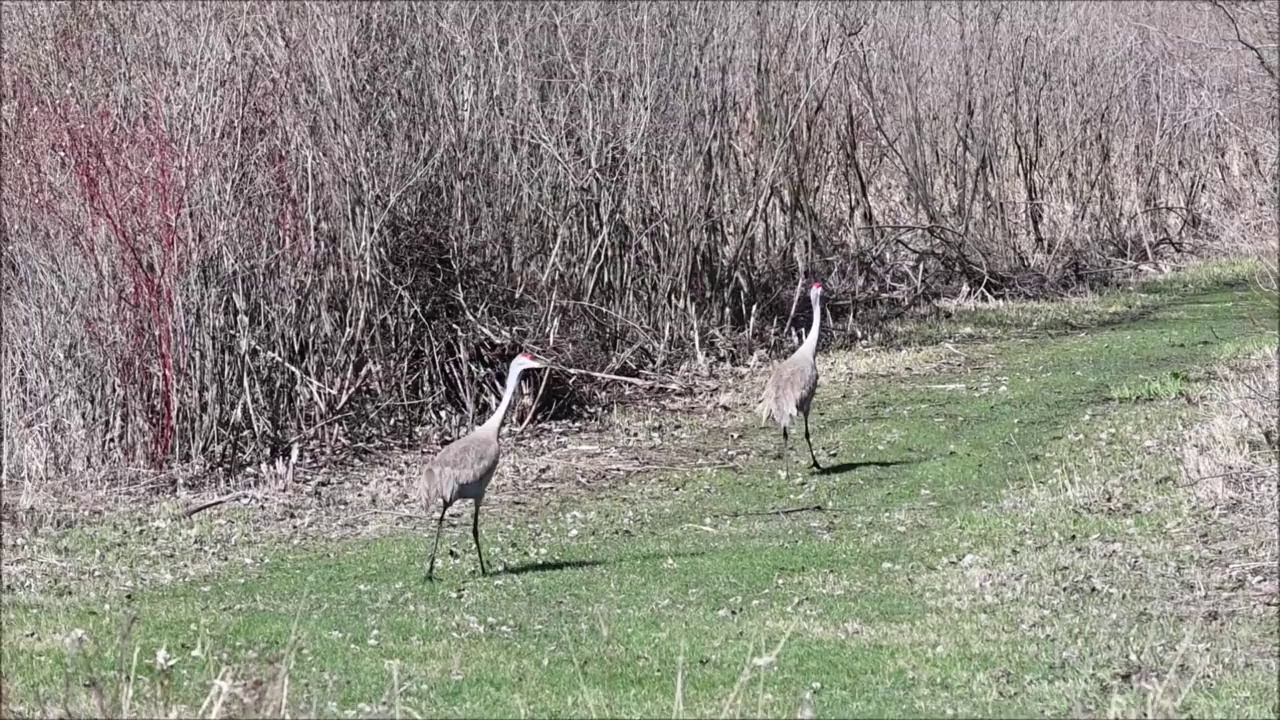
[464,467]
[792,384]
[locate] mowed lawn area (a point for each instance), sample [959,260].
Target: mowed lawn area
[1003,530]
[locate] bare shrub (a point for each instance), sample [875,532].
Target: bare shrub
[235,229]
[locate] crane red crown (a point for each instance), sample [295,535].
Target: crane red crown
[818,285]
[526,356]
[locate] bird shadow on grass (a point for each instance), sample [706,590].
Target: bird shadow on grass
[553,565]
[850,466]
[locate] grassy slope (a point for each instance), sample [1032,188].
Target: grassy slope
[967,563]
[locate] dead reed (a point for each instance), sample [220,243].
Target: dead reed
[233,229]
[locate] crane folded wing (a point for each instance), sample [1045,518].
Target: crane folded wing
[790,387]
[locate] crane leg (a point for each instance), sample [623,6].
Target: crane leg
[810,443]
[431,569]
[782,455]
[475,535]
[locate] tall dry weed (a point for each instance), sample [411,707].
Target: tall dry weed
[232,229]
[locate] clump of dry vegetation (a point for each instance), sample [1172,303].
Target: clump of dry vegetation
[1231,459]
[234,229]
[142,687]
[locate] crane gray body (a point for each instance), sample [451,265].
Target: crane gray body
[794,381]
[463,469]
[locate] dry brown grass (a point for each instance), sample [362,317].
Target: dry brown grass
[1230,460]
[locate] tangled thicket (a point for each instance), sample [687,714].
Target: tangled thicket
[234,227]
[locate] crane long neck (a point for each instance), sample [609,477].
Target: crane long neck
[811,340]
[494,423]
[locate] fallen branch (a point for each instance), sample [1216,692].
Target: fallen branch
[787,511]
[411,516]
[640,468]
[607,376]
[193,510]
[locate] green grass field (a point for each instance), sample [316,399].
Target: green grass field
[1000,535]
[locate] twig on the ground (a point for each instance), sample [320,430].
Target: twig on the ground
[412,516]
[608,376]
[232,497]
[640,468]
[1243,473]
[701,527]
[786,511]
